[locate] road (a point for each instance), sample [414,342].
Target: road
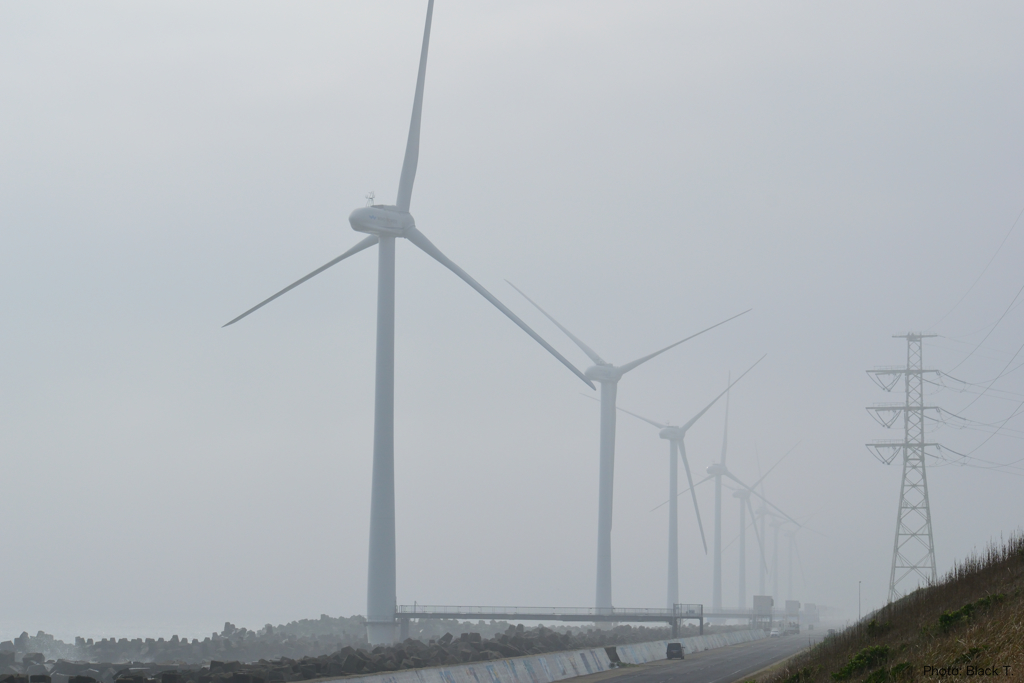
[724,665]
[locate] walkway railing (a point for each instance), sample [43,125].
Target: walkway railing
[615,614]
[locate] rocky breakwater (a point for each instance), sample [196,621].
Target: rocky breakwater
[305,638]
[447,650]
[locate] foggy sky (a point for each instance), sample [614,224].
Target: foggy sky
[642,170]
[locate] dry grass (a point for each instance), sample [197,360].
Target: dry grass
[973,617]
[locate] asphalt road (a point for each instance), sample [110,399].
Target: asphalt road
[724,665]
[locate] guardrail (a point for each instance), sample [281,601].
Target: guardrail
[680,612]
[461,610]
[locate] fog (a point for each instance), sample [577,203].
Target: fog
[642,170]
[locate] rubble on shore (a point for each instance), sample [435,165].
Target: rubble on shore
[228,657]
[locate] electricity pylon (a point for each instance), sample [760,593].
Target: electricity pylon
[913,551]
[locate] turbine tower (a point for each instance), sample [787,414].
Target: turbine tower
[791,536]
[743,495]
[776,525]
[675,436]
[716,595]
[608,376]
[384,225]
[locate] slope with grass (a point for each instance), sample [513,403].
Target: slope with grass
[968,626]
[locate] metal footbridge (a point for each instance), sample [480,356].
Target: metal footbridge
[673,616]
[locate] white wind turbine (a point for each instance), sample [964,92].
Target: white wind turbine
[716,471]
[608,376]
[743,494]
[675,436]
[384,225]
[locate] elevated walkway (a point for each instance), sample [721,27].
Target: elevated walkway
[673,617]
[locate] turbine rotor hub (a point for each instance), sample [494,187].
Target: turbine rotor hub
[381,220]
[603,373]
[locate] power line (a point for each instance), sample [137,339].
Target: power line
[1011,395]
[980,329]
[987,462]
[1002,373]
[984,270]
[974,422]
[993,354]
[993,329]
[1012,415]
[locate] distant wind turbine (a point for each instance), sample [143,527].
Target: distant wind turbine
[384,224]
[608,376]
[676,439]
[716,471]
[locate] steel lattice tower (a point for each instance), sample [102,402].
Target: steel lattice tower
[913,552]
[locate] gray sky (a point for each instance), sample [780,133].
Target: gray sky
[641,169]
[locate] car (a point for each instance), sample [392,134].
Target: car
[674,651]
[776,633]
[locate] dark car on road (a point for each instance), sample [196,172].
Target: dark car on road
[674,651]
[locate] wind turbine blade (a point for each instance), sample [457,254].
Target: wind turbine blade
[757,535]
[421,241]
[753,492]
[640,417]
[725,432]
[365,244]
[639,361]
[693,493]
[412,147]
[707,478]
[586,349]
[776,465]
[708,406]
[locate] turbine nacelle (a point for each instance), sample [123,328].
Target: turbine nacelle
[672,433]
[717,470]
[603,373]
[742,494]
[381,220]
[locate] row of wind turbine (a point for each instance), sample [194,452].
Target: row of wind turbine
[676,439]
[608,376]
[384,225]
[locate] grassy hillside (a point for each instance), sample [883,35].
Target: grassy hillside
[969,626]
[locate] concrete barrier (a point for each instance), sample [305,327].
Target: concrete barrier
[642,653]
[554,666]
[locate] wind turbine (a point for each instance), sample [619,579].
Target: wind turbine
[716,594]
[608,376]
[763,513]
[743,494]
[675,436]
[791,535]
[776,525]
[717,471]
[384,224]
